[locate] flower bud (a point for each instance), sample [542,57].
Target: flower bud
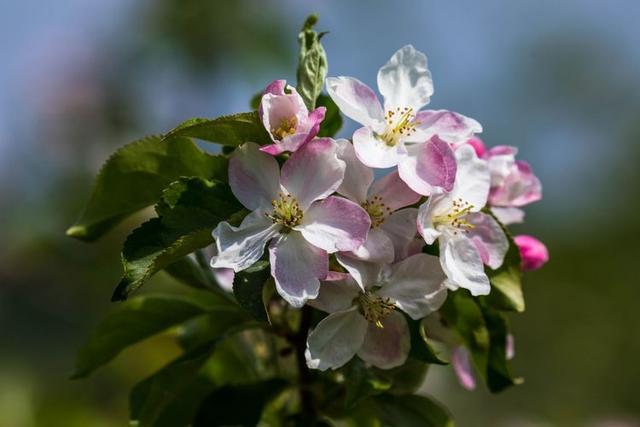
[533,252]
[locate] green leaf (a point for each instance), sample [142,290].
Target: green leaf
[189,210]
[506,281]
[141,318]
[134,176]
[239,405]
[171,396]
[332,122]
[232,130]
[312,63]
[248,286]
[408,378]
[361,383]
[393,411]
[188,272]
[420,347]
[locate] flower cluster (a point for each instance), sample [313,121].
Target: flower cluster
[314,203]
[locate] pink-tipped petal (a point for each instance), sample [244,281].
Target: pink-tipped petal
[489,238]
[253,176]
[461,361]
[373,151]
[401,228]
[405,80]
[389,346]
[357,176]
[393,192]
[365,273]
[416,284]
[533,252]
[313,172]
[356,100]
[430,167]
[377,248]
[335,224]
[449,126]
[336,295]
[508,216]
[297,268]
[478,146]
[224,278]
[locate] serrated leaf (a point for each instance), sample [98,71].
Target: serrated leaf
[420,347]
[248,289]
[231,130]
[141,318]
[134,176]
[190,208]
[332,122]
[312,63]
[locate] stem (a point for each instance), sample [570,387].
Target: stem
[304,375]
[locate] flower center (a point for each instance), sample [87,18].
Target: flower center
[286,211]
[377,210]
[286,127]
[400,123]
[456,217]
[375,308]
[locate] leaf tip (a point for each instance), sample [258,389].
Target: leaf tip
[78,232]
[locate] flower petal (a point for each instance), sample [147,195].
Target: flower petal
[472,178]
[430,167]
[297,267]
[377,248]
[313,172]
[336,339]
[305,132]
[335,224]
[357,176]
[356,100]
[336,296]
[508,216]
[426,212]
[519,188]
[389,346]
[463,265]
[405,81]
[401,228]
[489,238]
[450,126]
[277,108]
[253,176]
[533,252]
[394,192]
[461,362]
[240,247]
[365,273]
[416,284]
[373,151]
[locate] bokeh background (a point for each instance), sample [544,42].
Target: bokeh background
[557,79]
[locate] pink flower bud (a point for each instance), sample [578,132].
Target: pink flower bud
[477,145]
[533,252]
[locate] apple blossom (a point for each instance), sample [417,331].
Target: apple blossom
[287,119]
[400,134]
[533,252]
[363,312]
[468,238]
[294,210]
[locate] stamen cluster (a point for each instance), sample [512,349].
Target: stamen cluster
[286,211]
[374,308]
[400,123]
[377,210]
[286,127]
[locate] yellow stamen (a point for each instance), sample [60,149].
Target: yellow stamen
[286,127]
[374,308]
[400,123]
[286,211]
[377,211]
[456,217]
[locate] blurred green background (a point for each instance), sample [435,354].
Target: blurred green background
[557,79]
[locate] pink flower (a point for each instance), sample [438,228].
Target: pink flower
[476,143]
[468,238]
[287,119]
[513,184]
[364,317]
[399,134]
[533,252]
[292,209]
[392,228]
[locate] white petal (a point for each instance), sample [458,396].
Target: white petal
[448,125]
[377,248]
[253,176]
[401,228]
[389,346]
[313,172]
[297,268]
[356,100]
[357,176]
[374,152]
[463,265]
[426,212]
[365,273]
[489,239]
[405,81]
[335,224]
[416,284]
[472,178]
[394,192]
[240,247]
[336,296]
[336,339]
[508,216]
